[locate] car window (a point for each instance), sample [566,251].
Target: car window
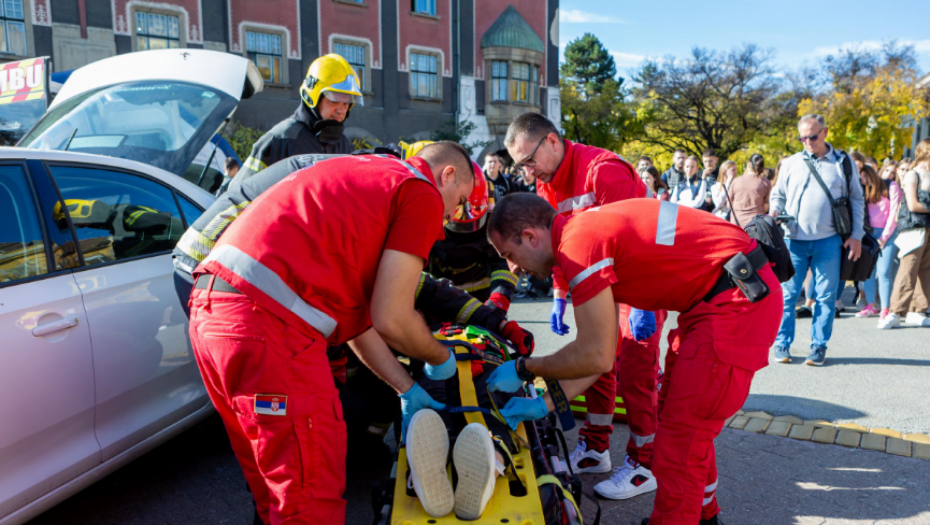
[192,212]
[22,250]
[117,215]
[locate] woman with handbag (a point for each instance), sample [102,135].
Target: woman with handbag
[913,231]
[881,204]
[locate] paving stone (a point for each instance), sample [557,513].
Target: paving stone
[818,423]
[802,432]
[728,421]
[921,451]
[756,424]
[848,438]
[824,435]
[738,422]
[873,442]
[852,426]
[778,428]
[898,447]
[793,420]
[887,432]
[759,415]
[740,412]
[918,438]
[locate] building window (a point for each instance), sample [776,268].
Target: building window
[12,27]
[355,56]
[265,50]
[534,86]
[155,31]
[424,7]
[521,80]
[424,81]
[498,80]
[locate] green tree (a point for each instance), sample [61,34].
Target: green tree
[242,138]
[595,109]
[868,99]
[711,100]
[448,130]
[588,65]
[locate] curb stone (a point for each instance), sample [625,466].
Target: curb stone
[846,434]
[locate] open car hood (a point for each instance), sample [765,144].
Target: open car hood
[234,75]
[160,108]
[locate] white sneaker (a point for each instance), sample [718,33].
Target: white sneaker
[584,460]
[889,321]
[427,451]
[477,471]
[917,319]
[632,479]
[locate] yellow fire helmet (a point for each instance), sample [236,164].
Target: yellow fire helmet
[409,150]
[78,208]
[333,77]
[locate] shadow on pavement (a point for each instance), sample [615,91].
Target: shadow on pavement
[802,407]
[834,361]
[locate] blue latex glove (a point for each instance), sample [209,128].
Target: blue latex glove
[415,399]
[642,324]
[556,318]
[504,378]
[523,409]
[443,371]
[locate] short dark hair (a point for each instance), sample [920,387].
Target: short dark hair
[448,153]
[644,157]
[679,150]
[532,125]
[517,212]
[709,152]
[231,162]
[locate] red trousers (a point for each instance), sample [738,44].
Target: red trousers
[713,356]
[633,379]
[255,367]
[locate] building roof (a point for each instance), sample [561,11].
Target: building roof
[511,30]
[924,81]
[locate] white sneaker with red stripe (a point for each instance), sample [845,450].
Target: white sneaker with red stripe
[629,480]
[590,461]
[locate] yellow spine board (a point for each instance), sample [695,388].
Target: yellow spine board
[525,510]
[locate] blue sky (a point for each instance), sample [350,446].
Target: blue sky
[798,31]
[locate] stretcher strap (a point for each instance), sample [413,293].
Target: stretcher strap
[549,479]
[467,387]
[509,464]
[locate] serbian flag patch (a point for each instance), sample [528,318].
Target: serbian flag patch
[270,404]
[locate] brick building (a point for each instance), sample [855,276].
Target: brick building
[422,62]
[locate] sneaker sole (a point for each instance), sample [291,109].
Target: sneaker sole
[645,488]
[783,359]
[813,363]
[474,463]
[427,452]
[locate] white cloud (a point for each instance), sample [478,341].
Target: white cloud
[920,46]
[627,59]
[576,16]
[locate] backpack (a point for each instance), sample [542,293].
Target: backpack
[768,234]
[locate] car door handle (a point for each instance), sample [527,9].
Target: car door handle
[55,326]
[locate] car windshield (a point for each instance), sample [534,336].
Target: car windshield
[161,123]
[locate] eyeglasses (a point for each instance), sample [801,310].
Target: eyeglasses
[529,162]
[812,138]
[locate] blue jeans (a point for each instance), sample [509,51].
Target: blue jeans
[883,277]
[822,257]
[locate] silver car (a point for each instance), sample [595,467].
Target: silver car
[96,367]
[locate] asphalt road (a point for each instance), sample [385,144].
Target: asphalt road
[872,377]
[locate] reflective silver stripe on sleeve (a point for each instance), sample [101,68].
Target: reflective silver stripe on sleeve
[589,271]
[263,278]
[707,501]
[642,440]
[601,420]
[576,203]
[665,229]
[710,488]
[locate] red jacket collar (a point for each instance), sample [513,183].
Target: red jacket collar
[423,167]
[563,174]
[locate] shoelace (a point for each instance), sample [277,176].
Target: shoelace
[616,476]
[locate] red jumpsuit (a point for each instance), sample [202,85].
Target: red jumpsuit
[304,256]
[590,177]
[655,255]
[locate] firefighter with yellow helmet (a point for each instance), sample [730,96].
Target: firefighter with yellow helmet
[328,95]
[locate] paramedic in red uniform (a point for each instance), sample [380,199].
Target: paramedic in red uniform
[575,178]
[324,257]
[652,255]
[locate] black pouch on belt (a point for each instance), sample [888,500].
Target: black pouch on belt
[742,269]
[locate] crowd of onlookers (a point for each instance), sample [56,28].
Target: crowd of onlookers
[889,208]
